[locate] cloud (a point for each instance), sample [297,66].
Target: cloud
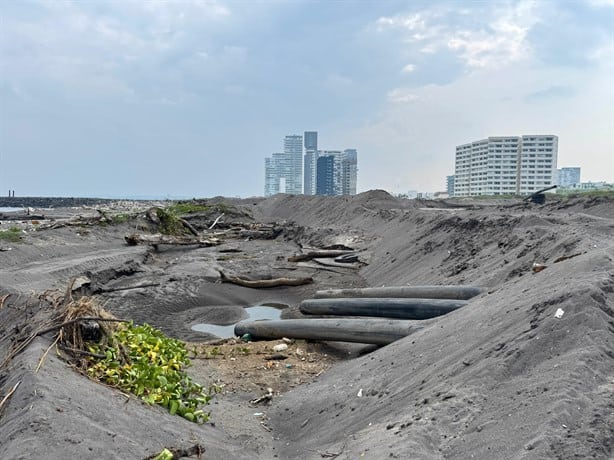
[409,68]
[401,96]
[495,38]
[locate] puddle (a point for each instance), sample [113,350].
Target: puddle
[256,313]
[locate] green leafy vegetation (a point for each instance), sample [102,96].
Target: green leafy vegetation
[190,207]
[145,362]
[12,235]
[169,222]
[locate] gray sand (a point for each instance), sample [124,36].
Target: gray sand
[501,378]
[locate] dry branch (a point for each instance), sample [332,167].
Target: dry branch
[216,221]
[8,395]
[126,288]
[318,254]
[264,283]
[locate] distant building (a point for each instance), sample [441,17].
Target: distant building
[310,162]
[568,177]
[283,171]
[342,178]
[450,185]
[325,181]
[505,165]
[349,172]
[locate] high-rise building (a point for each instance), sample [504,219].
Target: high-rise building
[349,172]
[568,177]
[340,176]
[450,185]
[283,171]
[505,165]
[325,181]
[311,159]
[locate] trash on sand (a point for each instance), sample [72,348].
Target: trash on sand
[264,398]
[287,340]
[246,337]
[559,313]
[258,414]
[280,347]
[538,267]
[288,366]
[359,393]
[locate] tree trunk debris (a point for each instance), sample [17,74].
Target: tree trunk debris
[158,239]
[322,253]
[264,283]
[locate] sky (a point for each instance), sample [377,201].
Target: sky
[186,98]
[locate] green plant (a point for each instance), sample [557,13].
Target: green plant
[169,222]
[145,362]
[12,235]
[186,207]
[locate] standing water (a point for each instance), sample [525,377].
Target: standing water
[257,313]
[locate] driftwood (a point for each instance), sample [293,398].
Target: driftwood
[125,288]
[216,221]
[158,239]
[189,226]
[323,253]
[264,283]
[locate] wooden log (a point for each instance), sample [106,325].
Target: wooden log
[385,307]
[373,331]
[158,239]
[408,292]
[318,254]
[275,282]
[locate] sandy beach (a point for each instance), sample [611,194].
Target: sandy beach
[500,378]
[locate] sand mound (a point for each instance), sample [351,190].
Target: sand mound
[500,378]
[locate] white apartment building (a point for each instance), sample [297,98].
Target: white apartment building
[505,165]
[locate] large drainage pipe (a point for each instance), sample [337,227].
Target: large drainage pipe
[387,307]
[413,292]
[373,331]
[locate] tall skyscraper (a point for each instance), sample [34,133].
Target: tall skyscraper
[349,172]
[311,159]
[283,171]
[505,165]
[325,182]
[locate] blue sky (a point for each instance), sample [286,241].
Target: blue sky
[187,98]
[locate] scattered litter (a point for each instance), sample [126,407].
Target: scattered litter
[538,267]
[287,340]
[359,393]
[258,414]
[559,313]
[288,366]
[246,337]
[280,347]
[264,398]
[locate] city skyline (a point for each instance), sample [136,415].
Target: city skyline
[304,169]
[184,99]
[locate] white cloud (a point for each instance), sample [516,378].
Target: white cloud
[401,96]
[496,40]
[409,68]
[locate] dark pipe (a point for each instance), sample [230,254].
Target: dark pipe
[387,307]
[375,331]
[409,292]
